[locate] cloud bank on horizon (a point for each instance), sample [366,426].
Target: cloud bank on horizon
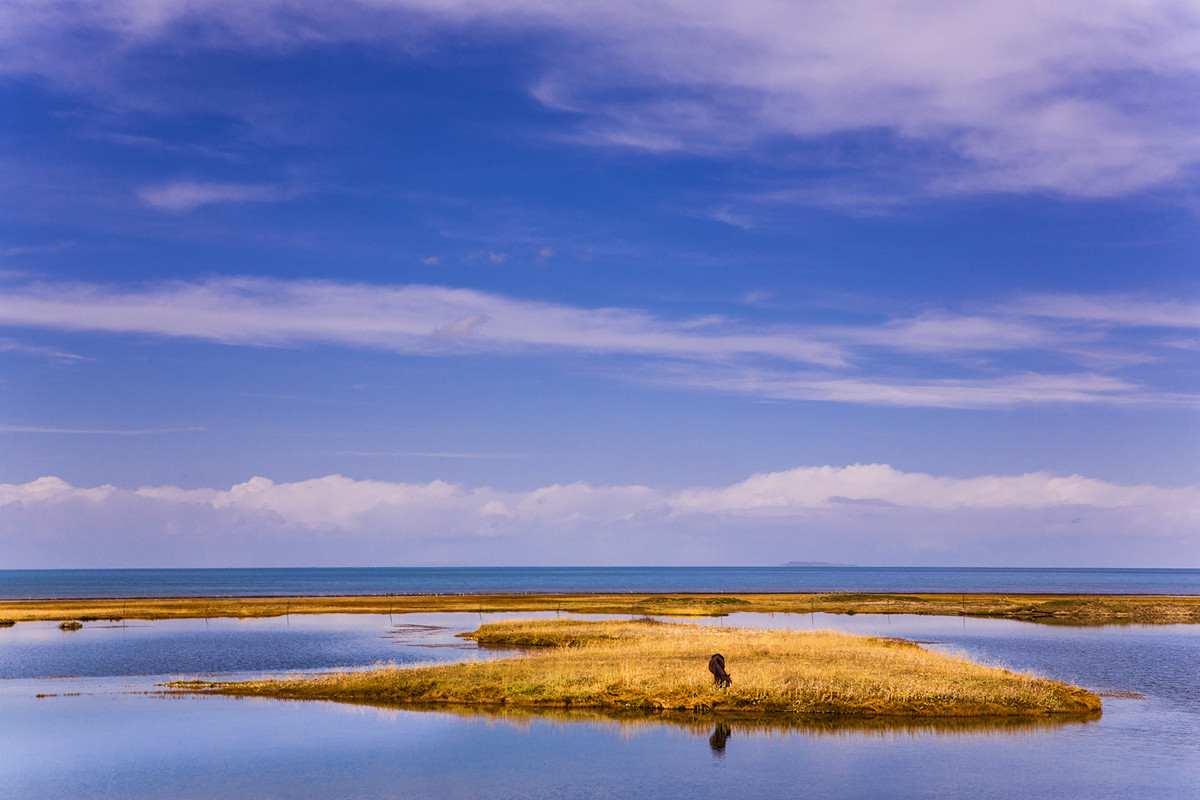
[813,509]
[626,252]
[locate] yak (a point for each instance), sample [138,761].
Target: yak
[716,665]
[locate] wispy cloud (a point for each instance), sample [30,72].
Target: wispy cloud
[1089,350]
[11,346]
[1081,98]
[1124,310]
[412,318]
[808,509]
[1010,391]
[95,431]
[944,332]
[182,196]
[419,454]
[35,249]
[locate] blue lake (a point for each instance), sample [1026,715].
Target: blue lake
[311,581]
[107,732]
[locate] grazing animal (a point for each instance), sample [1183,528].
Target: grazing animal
[716,665]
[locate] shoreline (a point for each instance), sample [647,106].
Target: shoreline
[1045,608]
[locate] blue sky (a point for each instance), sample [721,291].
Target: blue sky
[482,282]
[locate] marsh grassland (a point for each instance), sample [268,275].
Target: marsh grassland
[1051,609]
[662,667]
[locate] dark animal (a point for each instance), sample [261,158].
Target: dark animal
[716,665]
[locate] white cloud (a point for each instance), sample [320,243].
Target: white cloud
[335,501]
[94,431]
[460,327]
[50,490]
[1123,310]
[821,487]
[266,312]
[977,359]
[977,393]
[190,195]
[11,346]
[342,502]
[950,332]
[37,249]
[1081,97]
[845,513]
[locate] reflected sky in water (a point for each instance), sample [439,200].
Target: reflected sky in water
[298,642]
[94,737]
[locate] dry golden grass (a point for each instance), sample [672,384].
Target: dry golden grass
[644,664]
[1060,609]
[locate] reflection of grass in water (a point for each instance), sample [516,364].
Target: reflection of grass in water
[768,727]
[634,722]
[645,665]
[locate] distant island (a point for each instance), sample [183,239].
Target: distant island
[815,564]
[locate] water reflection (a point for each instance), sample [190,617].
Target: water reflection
[224,645]
[720,735]
[125,741]
[718,729]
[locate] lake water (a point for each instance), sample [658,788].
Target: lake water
[107,732]
[16,584]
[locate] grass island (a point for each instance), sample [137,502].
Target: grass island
[648,665]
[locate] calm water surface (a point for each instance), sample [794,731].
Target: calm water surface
[483,580]
[105,733]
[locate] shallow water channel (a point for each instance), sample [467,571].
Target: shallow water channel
[107,732]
